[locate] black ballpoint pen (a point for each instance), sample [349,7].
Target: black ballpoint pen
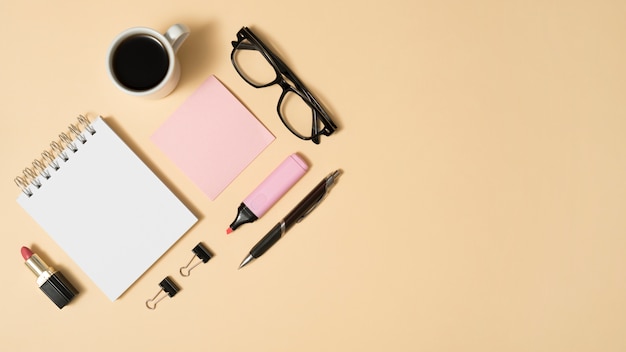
[301,210]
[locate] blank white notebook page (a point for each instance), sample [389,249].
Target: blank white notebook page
[107,210]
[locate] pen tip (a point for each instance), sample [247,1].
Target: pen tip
[229,230]
[247,260]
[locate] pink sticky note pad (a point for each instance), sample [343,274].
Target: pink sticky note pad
[212,137]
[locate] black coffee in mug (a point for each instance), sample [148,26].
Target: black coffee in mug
[140,62]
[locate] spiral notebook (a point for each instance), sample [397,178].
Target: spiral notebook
[102,205]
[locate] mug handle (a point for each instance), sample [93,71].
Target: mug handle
[176,35]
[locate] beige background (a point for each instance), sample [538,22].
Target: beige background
[482,205]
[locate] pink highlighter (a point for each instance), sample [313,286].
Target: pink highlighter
[269,191]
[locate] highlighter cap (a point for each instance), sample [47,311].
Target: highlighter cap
[276,185]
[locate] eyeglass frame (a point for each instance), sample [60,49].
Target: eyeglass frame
[284,75]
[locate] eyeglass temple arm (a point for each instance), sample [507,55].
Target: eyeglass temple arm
[315,128]
[329,125]
[242,45]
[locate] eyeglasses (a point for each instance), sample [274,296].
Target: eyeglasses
[297,108]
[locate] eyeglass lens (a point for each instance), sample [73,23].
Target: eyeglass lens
[254,67]
[297,114]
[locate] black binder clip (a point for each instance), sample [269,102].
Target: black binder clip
[200,252]
[169,287]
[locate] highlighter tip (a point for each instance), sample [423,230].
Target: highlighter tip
[229,230]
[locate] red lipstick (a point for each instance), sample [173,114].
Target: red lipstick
[50,281]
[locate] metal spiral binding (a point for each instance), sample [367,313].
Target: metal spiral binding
[58,149]
[31,175]
[48,158]
[86,124]
[76,132]
[23,184]
[40,168]
[67,141]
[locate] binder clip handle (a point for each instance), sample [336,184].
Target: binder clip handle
[202,253]
[169,287]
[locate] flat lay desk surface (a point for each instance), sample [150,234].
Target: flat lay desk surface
[481,206]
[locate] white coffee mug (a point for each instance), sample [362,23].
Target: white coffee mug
[142,61]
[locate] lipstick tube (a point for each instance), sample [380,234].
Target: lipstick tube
[50,281]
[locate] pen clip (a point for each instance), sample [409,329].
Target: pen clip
[330,181]
[312,207]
